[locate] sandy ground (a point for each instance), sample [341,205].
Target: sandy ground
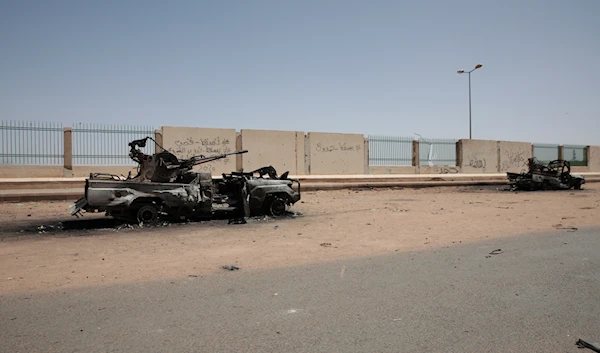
[332,225]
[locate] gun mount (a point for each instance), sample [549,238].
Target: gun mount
[164,167]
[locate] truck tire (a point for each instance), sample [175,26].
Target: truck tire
[275,206]
[147,214]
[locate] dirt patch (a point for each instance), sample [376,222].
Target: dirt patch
[354,223]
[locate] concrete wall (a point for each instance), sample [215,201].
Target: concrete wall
[186,142]
[442,169]
[478,156]
[31,171]
[329,153]
[314,153]
[279,149]
[84,171]
[392,170]
[594,158]
[514,156]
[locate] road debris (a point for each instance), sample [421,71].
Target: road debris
[496,252]
[588,344]
[325,244]
[560,226]
[230,268]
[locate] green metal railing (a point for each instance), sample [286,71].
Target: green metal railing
[437,152]
[576,155]
[390,150]
[31,143]
[107,144]
[545,152]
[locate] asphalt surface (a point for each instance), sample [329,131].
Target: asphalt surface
[538,294]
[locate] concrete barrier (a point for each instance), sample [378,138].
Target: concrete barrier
[315,153]
[593,158]
[392,170]
[478,156]
[84,171]
[280,149]
[186,142]
[32,171]
[328,153]
[514,156]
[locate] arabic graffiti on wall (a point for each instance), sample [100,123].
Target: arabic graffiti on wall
[343,147]
[203,146]
[513,159]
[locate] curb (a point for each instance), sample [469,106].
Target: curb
[72,194]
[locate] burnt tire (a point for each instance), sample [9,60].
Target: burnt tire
[146,214]
[275,206]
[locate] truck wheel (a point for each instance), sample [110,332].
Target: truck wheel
[275,206]
[147,214]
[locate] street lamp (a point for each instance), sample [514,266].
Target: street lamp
[469,72]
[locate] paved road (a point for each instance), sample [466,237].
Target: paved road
[540,295]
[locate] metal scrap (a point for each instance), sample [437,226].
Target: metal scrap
[588,344]
[555,175]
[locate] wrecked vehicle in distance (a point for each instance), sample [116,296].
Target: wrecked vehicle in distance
[165,187]
[556,175]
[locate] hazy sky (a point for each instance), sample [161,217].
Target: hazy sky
[372,67]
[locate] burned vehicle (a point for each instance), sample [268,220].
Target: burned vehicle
[555,175]
[165,187]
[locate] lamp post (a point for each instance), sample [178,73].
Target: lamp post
[469,72]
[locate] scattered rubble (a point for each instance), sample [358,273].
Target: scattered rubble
[230,268]
[494,252]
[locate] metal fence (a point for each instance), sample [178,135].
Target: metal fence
[576,155]
[31,143]
[107,144]
[390,150]
[545,152]
[437,152]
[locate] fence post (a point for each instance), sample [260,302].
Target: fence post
[561,152]
[416,156]
[367,166]
[239,145]
[459,154]
[68,152]
[158,137]
[307,154]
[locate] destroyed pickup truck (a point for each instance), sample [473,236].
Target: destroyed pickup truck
[555,175]
[165,187]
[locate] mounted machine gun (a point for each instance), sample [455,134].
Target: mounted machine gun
[165,167]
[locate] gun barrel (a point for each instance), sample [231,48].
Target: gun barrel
[201,160]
